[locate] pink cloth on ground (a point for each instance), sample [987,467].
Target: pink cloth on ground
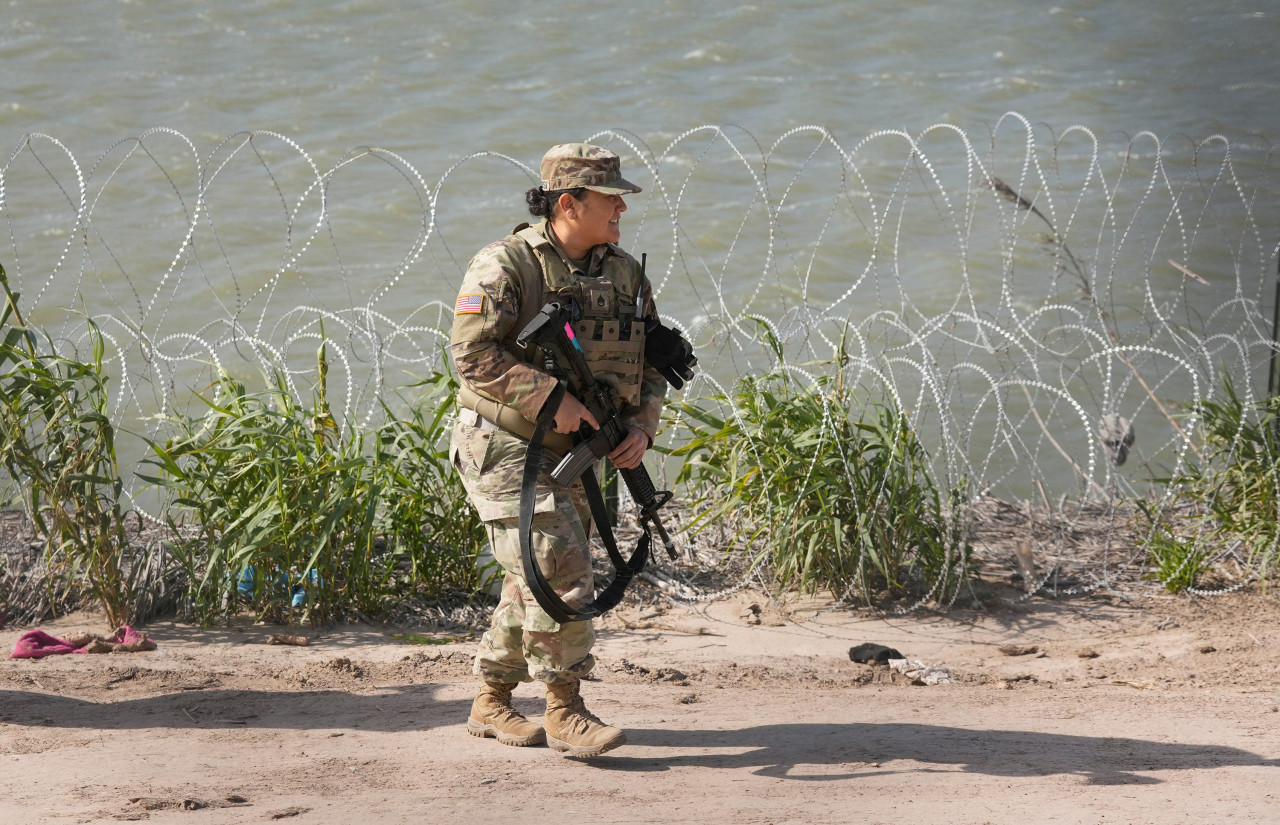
[36,644]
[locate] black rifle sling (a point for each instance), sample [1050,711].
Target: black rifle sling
[627,569]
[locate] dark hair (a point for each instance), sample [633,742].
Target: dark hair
[542,203]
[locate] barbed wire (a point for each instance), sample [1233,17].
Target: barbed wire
[1007,291]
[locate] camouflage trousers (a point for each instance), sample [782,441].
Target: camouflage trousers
[523,643]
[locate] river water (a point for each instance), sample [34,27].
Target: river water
[811,161]
[436,80]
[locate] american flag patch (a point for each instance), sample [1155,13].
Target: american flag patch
[469,305]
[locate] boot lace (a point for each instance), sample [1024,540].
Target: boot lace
[506,713]
[578,717]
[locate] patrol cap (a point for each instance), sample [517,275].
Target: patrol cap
[571,165]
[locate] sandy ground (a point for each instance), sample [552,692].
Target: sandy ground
[1165,711]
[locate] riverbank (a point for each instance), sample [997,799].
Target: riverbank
[745,710]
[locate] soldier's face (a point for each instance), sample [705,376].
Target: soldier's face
[598,216]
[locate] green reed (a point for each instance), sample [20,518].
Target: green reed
[298,519]
[425,517]
[827,501]
[1235,493]
[58,445]
[1177,560]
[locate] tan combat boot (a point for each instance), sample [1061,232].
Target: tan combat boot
[571,728]
[492,715]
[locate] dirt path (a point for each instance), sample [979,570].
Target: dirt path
[1168,712]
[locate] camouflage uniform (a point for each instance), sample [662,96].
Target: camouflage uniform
[505,286]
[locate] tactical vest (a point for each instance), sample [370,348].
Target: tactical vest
[609,327]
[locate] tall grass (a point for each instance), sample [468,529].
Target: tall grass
[1235,493]
[827,500]
[297,519]
[58,444]
[274,507]
[425,516]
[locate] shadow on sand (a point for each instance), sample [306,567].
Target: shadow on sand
[811,752]
[817,752]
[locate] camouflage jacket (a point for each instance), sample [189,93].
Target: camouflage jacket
[505,286]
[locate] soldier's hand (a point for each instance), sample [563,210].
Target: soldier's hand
[571,414]
[630,453]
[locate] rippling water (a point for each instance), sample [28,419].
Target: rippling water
[433,83]
[436,80]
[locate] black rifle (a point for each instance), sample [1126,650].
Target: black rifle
[552,333]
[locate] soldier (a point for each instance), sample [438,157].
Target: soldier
[571,255]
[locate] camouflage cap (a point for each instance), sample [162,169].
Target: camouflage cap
[571,165]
